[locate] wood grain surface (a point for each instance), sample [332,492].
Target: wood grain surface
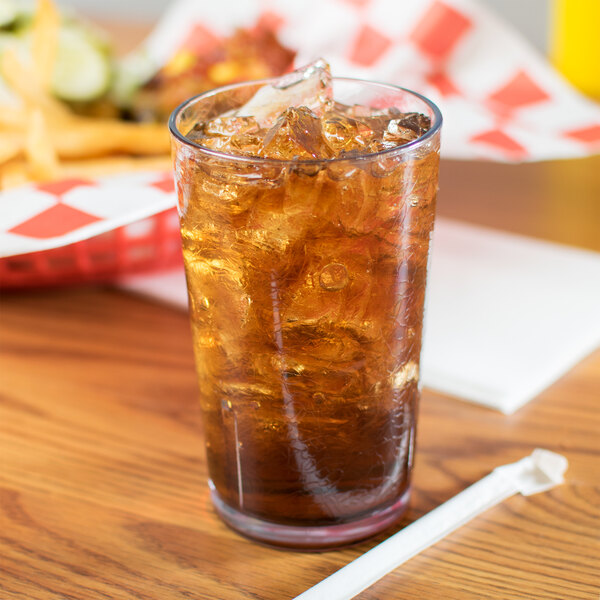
[103,480]
[554,200]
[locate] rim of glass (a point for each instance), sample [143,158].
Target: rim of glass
[435,127]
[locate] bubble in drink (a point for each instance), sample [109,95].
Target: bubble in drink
[306,237]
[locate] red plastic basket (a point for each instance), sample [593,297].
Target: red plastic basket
[152,244]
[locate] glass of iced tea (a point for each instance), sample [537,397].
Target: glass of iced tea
[307,205]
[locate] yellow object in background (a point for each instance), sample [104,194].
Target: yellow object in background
[575,43]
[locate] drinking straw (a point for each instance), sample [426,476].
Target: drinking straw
[540,471]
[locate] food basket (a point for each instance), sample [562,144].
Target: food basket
[149,245]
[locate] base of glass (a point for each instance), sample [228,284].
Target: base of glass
[313,537]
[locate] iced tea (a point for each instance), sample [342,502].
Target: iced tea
[306,208]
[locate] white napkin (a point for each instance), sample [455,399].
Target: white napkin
[506,315]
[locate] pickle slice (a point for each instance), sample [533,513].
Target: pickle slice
[82,71]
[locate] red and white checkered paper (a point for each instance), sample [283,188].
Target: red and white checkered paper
[50,215]
[501,100]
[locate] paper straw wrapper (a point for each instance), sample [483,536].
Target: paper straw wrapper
[540,471]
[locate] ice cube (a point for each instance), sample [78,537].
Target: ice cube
[297,133]
[416,121]
[397,135]
[240,135]
[388,128]
[405,129]
[344,134]
[295,117]
[309,87]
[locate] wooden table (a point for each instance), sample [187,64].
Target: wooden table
[102,475]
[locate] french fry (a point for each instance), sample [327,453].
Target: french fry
[86,138]
[42,138]
[22,79]
[11,145]
[39,151]
[13,174]
[12,118]
[113,165]
[44,41]
[17,171]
